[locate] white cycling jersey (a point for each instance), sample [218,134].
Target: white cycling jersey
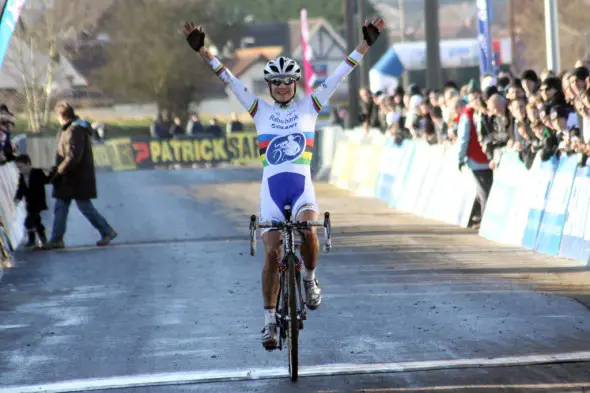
[286,139]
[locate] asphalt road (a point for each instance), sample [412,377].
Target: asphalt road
[175,305]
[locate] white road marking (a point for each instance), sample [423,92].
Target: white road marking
[7,327]
[184,378]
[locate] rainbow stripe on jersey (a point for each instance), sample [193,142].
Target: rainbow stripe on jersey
[304,159]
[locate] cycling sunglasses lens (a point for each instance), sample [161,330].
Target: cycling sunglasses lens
[287,82]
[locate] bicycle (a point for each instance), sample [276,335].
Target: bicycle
[290,300]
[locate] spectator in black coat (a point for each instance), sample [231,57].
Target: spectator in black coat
[6,126]
[235,125]
[214,128]
[31,188]
[194,126]
[6,147]
[74,177]
[176,127]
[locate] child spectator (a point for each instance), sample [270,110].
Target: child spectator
[31,188]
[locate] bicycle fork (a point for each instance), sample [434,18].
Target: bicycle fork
[282,312]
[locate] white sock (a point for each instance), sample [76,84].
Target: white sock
[269,316]
[309,275]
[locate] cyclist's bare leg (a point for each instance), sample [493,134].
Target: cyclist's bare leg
[270,273]
[270,286]
[310,249]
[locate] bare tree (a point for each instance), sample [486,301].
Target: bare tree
[35,57]
[149,59]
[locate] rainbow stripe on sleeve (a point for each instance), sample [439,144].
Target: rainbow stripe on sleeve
[316,104]
[219,69]
[351,62]
[254,108]
[305,159]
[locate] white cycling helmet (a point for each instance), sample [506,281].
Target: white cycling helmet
[282,67]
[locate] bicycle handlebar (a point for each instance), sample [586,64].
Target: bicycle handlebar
[294,225]
[254,225]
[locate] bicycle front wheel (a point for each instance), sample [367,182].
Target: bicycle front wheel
[293,329]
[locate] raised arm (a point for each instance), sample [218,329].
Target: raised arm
[196,39]
[322,93]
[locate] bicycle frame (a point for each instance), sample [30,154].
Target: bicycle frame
[288,309]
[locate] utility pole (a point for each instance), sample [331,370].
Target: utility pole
[402,25]
[514,64]
[353,78]
[552,35]
[364,65]
[433,68]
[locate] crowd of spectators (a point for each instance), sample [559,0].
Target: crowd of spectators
[166,129]
[529,113]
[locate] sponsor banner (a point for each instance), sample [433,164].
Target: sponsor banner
[541,177]
[518,210]
[484,35]
[405,163]
[339,176]
[454,192]
[367,170]
[575,241]
[388,169]
[9,15]
[417,173]
[507,180]
[114,155]
[348,181]
[550,231]
[147,153]
[427,191]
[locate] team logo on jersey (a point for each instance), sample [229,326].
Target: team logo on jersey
[285,148]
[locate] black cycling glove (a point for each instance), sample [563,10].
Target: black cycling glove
[370,33]
[196,39]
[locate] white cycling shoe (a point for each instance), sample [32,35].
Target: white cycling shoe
[269,337]
[313,294]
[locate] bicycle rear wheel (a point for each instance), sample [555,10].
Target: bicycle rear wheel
[293,329]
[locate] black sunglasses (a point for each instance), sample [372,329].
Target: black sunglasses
[286,82]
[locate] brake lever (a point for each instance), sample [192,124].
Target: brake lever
[253,227]
[327,233]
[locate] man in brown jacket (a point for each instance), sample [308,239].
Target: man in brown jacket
[74,178]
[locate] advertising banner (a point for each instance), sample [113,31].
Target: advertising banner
[148,153]
[388,169]
[406,157]
[575,241]
[427,191]
[8,20]
[508,178]
[417,172]
[484,35]
[550,231]
[541,177]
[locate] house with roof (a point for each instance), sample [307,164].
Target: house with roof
[328,51]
